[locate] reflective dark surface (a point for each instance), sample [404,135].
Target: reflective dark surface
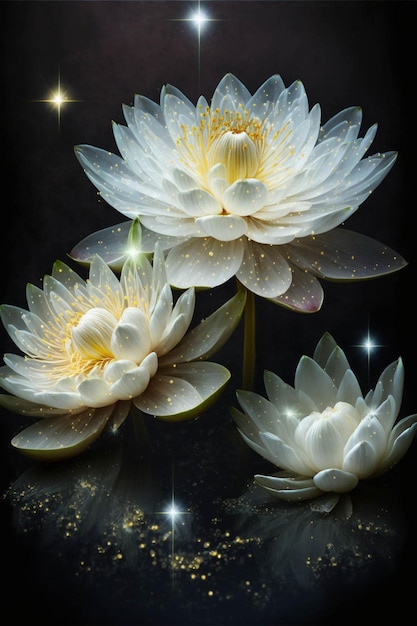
[89,541]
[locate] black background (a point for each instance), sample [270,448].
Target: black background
[345,53]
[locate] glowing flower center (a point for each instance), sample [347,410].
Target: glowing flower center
[237,152]
[91,337]
[231,138]
[324,435]
[99,338]
[236,140]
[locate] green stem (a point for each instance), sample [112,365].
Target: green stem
[249,343]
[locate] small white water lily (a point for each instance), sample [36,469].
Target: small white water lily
[92,348]
[251,186]
[323,434]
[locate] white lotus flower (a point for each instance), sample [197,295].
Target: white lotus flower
[251,186]
[92,348]
[323,434]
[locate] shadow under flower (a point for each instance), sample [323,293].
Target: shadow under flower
[319,557]
[104,543]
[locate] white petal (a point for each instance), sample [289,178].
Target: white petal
[264,415]
[203,262]
[183,181]
[265,96]
[62,437]
[210,335]
[361,460]
[222,227]
[111,244]
[217,179]
[116,369]
[268,232]
[344,255]
[197,202]
[232,87]
[245,197]
[337,366]
[291,491]
[131,339]
[281,394]
[324,349]
[119,414]
[349,390]
[313,380]
[161,314]
[25,407]
[178,323]
[95,392]
[305,294]
[134,382]
[335,480]
[183,391]
[371,430]
[284,455]
[390,383]
[29,390]
[399,443]
[264,270]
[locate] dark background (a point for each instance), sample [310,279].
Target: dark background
[345,53]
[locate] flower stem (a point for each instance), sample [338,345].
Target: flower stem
[249,343]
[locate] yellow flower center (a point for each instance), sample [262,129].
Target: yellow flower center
[237,151]
[246,146]
[232,138]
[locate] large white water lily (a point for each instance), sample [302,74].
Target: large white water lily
[323,433]
[92,348]
[252,186]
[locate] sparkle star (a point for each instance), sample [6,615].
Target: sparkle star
[369,346]
[58,98]
[199,19]
[174,513]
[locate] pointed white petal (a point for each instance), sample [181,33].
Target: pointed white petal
[285,456]
[305,294]
[361,459]
[184,391]
[291,491]
[399,442]
[56,438]
[131,339]
[264,270]
[313,380]
[210,335]
[344,255]
[119,414]
[25,407]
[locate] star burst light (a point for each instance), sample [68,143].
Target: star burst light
[57,99]
[369,345]
[199,19]
[174,513]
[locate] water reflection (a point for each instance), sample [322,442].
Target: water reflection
[320,556]
[103,534]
